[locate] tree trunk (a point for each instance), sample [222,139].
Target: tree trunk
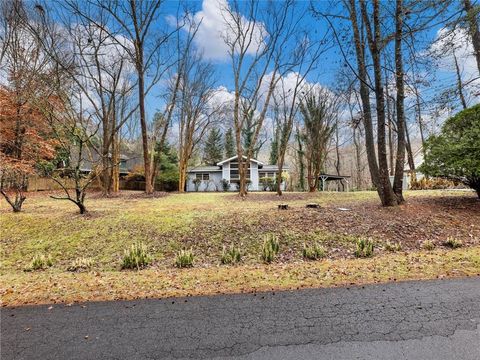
[419,117]
[365,97]
[390,131]
[459,82]
[384,187]
[473,29]
[17,203]
[401,127]
[115,164]
[143,120]
[279,175]
[408,148]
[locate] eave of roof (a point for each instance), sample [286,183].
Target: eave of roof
[235,157]
[205,169]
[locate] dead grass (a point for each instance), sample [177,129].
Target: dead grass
[205,222]
[54,286]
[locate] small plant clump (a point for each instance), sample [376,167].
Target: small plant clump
[136,257]
[453,243]
[393,247]
[364,248]
[270,248]
[313,252]
[80,264]
[184,258]
[40,262]
[428,245]
[230,256]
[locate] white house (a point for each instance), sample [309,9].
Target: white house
[211,178]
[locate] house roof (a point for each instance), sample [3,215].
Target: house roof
[204,169]
[272,168]
[235,157]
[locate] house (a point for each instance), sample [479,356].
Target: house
[407,173]
[211,178]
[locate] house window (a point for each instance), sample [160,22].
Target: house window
[234,172]
[271,175]
[202,176]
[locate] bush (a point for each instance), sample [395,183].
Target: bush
[136,257]
[454,153]
[452,243]
[266,183]
[80,264]
[270,248]
[196,183]
[314,252]
[184,258]
[428,245]
[230,256]
[40,262]
[431,184]
[225,185]
[393,247]
[364,248]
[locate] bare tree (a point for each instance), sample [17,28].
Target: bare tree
[194,111]
[135,20]
[255,49]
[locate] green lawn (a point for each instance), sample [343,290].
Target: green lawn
[206,222]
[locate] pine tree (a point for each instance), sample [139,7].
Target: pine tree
[274,149]
[248,132]
[229,144]
[212,152]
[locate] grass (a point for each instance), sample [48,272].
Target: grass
[93,246]
[55,286]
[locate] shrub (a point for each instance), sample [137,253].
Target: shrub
[184,258]
[80,264]
[230,256]
[428,245]
[314,252]
[270,248]
[392,247]
[431,184]
[364,248]
[40,262]
[266,183]
[452,243]
[136,257]
[225,185]
[196,183]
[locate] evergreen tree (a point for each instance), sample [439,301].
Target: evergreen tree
[248,132]
[212,152]
[229,144]
[274,149]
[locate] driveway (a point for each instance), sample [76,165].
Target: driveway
[412,320]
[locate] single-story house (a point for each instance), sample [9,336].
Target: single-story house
[407,173]
[213,178]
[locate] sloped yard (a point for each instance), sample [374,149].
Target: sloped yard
[208,222]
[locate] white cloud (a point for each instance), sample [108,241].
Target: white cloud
[458,40]
[214,30]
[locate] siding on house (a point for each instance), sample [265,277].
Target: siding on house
[211,176]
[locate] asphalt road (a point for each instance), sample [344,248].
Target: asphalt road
[411,320]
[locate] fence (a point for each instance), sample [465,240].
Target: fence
[36,183]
